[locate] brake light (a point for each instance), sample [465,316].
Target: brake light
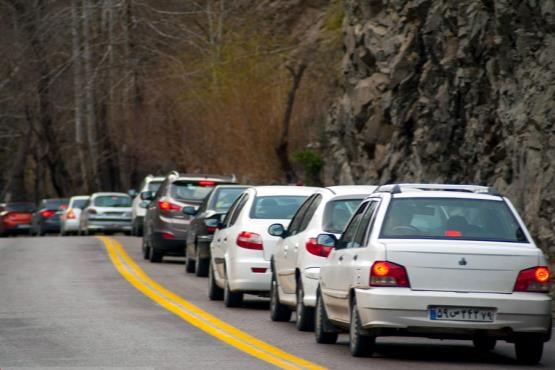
[70,215]
[385,273]
[47,213]
[535,279]
[206,183]
[249,240]
[167,235]
[167,206]
[316,249]
[454,233]
[211,225]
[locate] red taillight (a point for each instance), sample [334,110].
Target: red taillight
[211,229]
[47,213]
[206,183]
[249,240]
[316,249]
[535,279]
[385,273]
[454,233]
[259,270]
[167,206]
[70,215]
[211,225]
[167,236]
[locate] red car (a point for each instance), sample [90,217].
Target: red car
[15,218]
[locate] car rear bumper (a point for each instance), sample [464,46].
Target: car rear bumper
[242,278]
[109,225]
[203,245]
[174,246]
[17,229]
[310,278]
[70,225]
[402,308]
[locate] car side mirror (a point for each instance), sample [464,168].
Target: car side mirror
[220,226]
[147,195]
[277,230]
[327,240]
[132,193]
[189,210]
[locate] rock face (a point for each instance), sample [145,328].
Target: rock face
[450,92]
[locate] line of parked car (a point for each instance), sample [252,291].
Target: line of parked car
[428,260]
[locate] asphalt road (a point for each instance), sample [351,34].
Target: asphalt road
[64,304]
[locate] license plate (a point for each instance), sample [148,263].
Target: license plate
[461,314]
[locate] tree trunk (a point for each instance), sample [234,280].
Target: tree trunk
[283,146]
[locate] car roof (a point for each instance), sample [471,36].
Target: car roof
[108,194]
[232,186]
[152,178]
[352,189]
[80,197]
[439,191]
[284,190]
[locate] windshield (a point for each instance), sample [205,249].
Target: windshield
[223,199]
[55,203]
[112,201]
[194,191]
[154,186]
[20,207]
[79,203]
[276,207]
[449,218]
[337,213]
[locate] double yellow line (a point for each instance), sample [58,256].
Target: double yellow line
[198,317]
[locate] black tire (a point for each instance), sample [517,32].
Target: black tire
[137,228]
[189,263]
[360,344]
[484,344]
[155,256]
[278,311]
[146,249]
[321,324]
[215,293]
[232,299]
[40,232]
[202,265]
[529,349]
[304,315]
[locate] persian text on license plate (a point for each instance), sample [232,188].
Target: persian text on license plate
[462,314]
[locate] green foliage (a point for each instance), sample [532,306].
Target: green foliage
[311,163]
[334,17]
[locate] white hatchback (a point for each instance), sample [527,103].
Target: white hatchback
[241,248]
[298,256]
[70,218]
[440,261]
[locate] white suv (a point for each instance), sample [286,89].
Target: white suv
[150,183]
[241,248]
[298,256]
[441,261]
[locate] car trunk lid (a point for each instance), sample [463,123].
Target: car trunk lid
[462,266]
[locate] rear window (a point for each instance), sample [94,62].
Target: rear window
[223,199]
[337,213]
[20,207]
[194,191]
[276,207]
[154,186]
[112,201]
[55,203]
[453,219]
[79,203]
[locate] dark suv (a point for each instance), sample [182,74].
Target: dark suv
[47,218]
[211,211]
[165,226]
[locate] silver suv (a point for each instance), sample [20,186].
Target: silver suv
[165,226]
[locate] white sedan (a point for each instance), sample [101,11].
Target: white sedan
[298,256]
[441,261]
[106,213]
[242,247]
[71,217]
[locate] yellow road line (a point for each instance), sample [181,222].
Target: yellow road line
[198,317]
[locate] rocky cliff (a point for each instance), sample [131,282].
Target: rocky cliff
[451,92]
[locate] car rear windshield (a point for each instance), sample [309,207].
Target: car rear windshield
[20,207]
[193,191]
[452,219]
[55,203]
[337,213]
[276,207]
[112,201]
[224,197]
[154,186]
[79,203]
